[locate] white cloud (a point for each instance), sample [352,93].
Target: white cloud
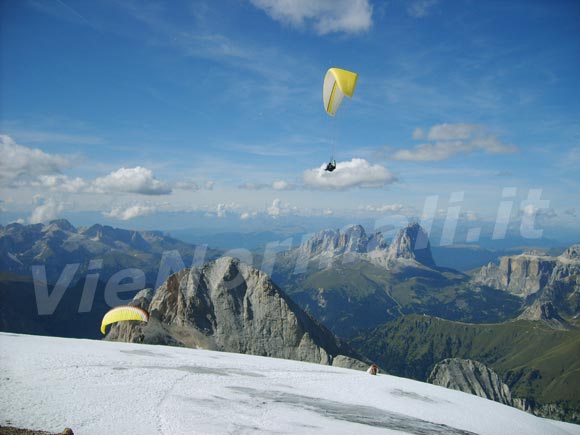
[19,161]
[131,180]
[187,184]
[280,185]
[532,210]
[279,208]
[420,8]
[248,215]
[326,16]
[253,186]
[223,209]
[46,211]
[131,212]
[62,183]
[276,185]
[23,166]
[275,210]
[471,216]
[431,152]
[418,133]
[529,209]
[451,131]
[354,173]
[385,208]
[449,140]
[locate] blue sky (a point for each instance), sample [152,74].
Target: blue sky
[209,113]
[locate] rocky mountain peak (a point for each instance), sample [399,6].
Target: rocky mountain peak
[332,242]
[412,243]
[354,239]
[230,306]
[94,231]
[114,236]
[572,253]
[60,224]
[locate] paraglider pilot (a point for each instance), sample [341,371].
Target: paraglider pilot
[331,166]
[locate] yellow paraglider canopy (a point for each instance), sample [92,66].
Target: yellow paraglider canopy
[119,314]
[337,83]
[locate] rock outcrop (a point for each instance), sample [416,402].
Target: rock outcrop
[229,306]
[521,275]
[476,378]
[528,273]
[545,312]
[471,377]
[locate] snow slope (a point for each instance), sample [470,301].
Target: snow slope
[98,387]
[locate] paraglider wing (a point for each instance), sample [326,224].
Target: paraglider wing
[337,83]
[119,314]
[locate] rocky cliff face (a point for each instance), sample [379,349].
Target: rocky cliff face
[471,377]
[568,264]
[545,312]
[555,303]
[521,275]
[332,242]
[229,306]
[526,274]
[476,378]
[410,243]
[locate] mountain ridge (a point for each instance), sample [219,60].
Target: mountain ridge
[353,243]
[59,243]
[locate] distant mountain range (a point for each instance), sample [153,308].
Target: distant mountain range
[348,280]
[111,249]
[351,281]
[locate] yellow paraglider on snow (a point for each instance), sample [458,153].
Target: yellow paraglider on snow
[119,314]
[337,83]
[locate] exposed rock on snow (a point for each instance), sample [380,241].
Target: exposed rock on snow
[470,377]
